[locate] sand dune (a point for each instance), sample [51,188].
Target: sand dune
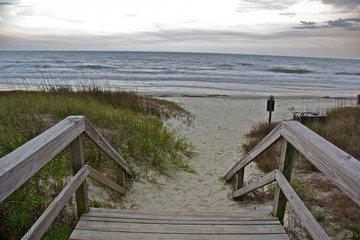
[217,133]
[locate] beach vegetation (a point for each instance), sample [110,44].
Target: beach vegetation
[132,124]
[319,194]
[269,160]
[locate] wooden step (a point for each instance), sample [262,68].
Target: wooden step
[108,224]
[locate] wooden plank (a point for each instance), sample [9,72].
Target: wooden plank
[18,166]
[340,167]
[299,207]
[97,235]
[105,146]
[270,177]
[106,181]
[220,216]
[269,140]
[179,222]
[285,166]
[179,229]
[45,220]
[77,152]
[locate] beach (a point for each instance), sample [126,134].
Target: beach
[217,132]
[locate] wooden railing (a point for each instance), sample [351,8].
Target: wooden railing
[337,165]
[20,165]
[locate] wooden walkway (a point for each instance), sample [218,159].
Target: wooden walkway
[20,165]
[118,224]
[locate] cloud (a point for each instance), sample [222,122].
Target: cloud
[339,23]
[4,3]
[343,3]
[290,14]
[247,5]
[308,23]
[351,24]
[353,19]
[1,20]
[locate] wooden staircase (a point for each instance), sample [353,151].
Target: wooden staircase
[20,165]
[109,224]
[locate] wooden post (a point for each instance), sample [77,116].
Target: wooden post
[240,179]
[77,153]
[121,177]
[270,106]
[285,166]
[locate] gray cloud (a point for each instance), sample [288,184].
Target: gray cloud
[246,5]
[6,3]
[351,24]
[353,19]
[308,23]
[327,43]
[339,23]
[290,14]
[343,3]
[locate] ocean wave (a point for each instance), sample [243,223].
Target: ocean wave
[287,70]
[91,67]
[348,73]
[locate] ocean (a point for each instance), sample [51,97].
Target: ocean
[163,73]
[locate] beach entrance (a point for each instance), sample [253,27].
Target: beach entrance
[18,166]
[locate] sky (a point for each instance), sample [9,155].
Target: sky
[312,28]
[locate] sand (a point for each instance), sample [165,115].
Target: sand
[217,132]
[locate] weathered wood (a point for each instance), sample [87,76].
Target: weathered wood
[183,216]
[270,177]
[299,207]
[239,183]
[118,224]
[120,175]
[285,166]
[179,222]
[18,166]
[105,146]
[106,181]
[340,167]
[256,151]
[91,235]
[77,152]
[45,220]
[180,228]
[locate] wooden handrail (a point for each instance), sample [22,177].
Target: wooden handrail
[269,140]
[45,220]
[105,146]
[340,167]
[21,164]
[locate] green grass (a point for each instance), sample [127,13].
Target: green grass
[132,124]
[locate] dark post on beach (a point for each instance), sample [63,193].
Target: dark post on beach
[270,106]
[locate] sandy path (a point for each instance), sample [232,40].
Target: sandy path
[217,133]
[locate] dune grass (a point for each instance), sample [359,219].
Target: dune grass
[131,123]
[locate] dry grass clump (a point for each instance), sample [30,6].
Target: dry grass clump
[342,128]
[269,160]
